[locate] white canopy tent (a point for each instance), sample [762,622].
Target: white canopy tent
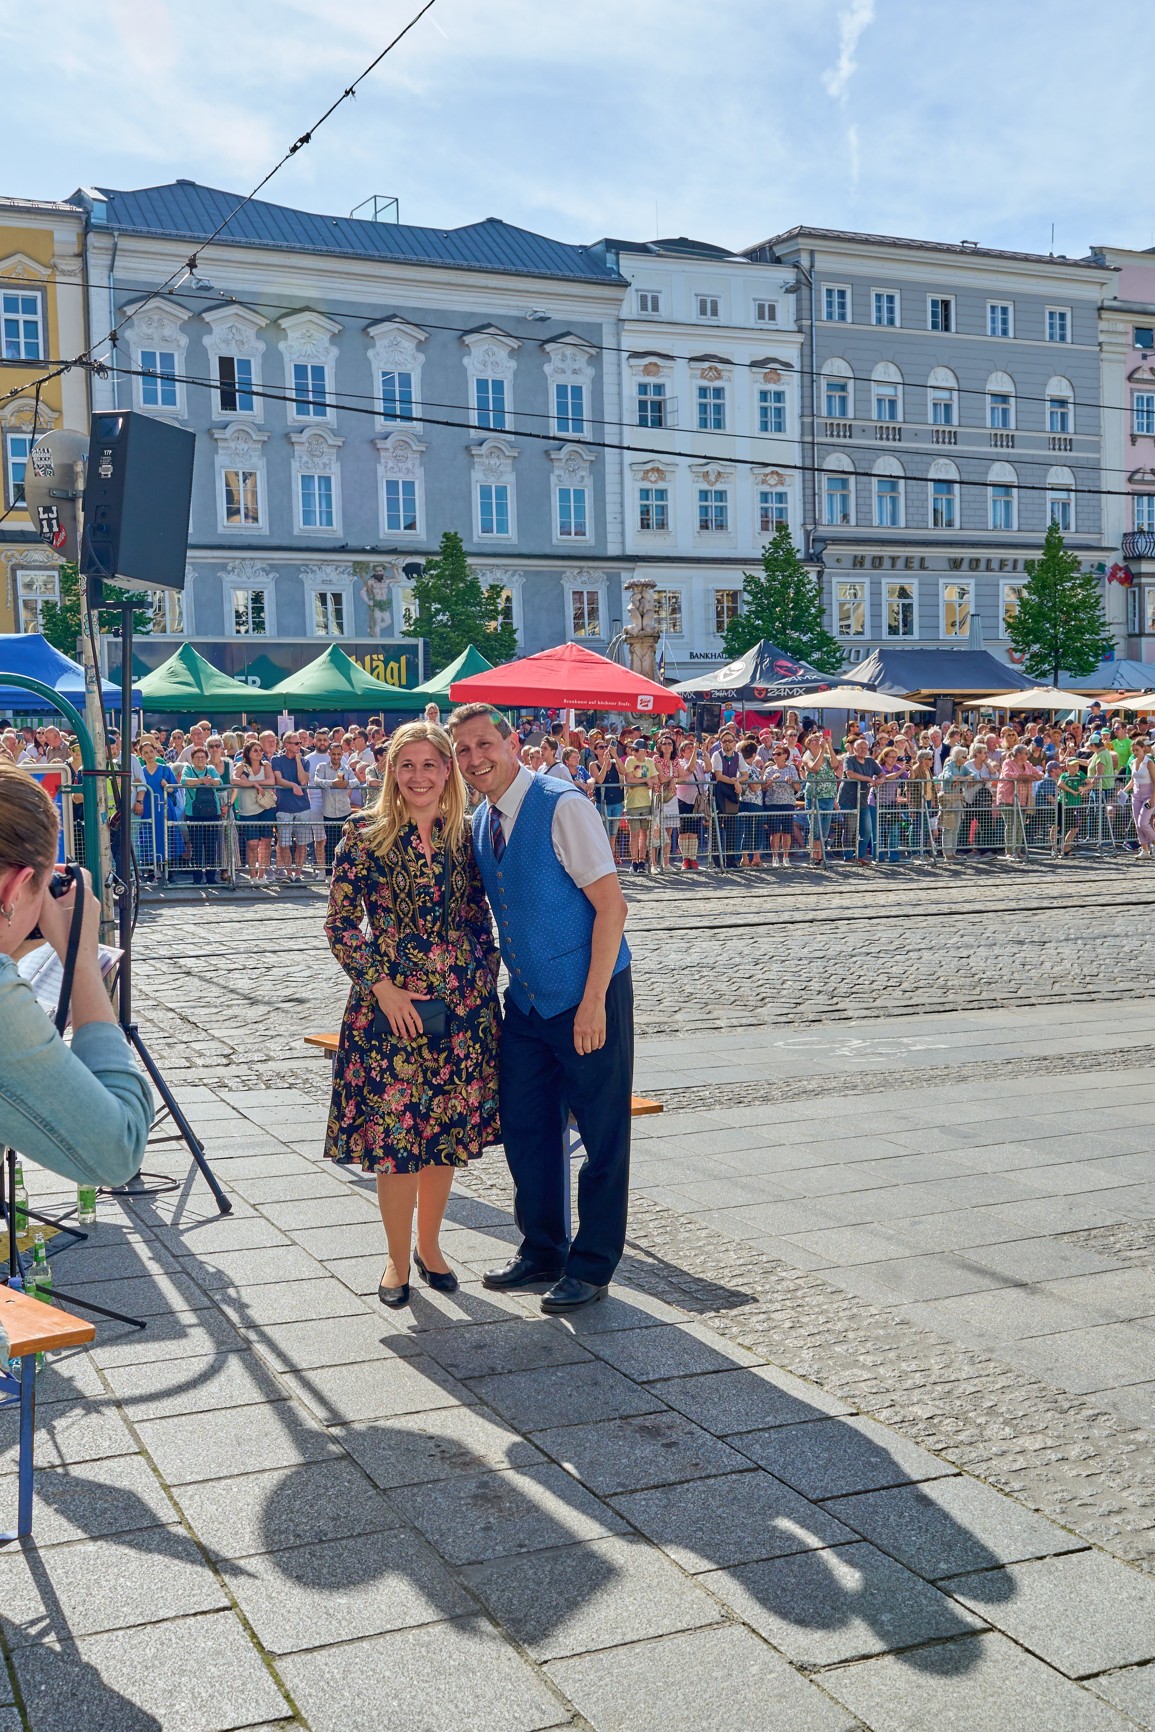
[861,698]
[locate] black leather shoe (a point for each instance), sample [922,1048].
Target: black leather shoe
[570,1294]
[394,1297]
[441,1281]
[519,1272]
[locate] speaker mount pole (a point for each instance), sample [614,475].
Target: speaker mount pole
[124,976]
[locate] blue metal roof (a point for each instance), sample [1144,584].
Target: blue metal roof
[191,212]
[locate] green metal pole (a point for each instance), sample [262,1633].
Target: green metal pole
[88,756]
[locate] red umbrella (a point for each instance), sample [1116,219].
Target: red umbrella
[570,677]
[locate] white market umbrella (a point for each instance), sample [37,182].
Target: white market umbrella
[859,698]
[1037,698]
[1131,701]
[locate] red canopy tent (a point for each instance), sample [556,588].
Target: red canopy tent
[570,677]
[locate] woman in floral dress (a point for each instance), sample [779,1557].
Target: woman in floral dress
[407,1105]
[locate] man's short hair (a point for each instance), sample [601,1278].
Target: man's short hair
[473,712]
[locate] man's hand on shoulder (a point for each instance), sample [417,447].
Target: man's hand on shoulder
[589,1024]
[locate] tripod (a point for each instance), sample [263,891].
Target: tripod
[124,975]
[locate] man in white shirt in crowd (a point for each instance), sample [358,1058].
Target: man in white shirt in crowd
[552,762]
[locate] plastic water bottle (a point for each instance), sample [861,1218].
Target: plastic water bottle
[85,1205]
[20,1200]
[40,1275]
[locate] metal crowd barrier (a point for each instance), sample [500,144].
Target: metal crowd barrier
[894,823]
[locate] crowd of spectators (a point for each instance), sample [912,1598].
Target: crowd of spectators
[787,793]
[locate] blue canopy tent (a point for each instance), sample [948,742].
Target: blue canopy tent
[31,655]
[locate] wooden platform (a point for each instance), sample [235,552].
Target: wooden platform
[640,1107]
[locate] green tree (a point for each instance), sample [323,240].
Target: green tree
[1059,625]
[783,602]
[453,609]
[62,621]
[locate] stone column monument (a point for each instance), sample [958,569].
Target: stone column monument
[642,634]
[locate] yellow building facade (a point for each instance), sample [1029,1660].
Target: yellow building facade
[42,321]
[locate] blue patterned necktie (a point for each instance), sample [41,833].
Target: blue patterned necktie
[496,833]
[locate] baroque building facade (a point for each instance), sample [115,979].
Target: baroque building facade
[708,363]
[953,410]
[356,389]
[41,320]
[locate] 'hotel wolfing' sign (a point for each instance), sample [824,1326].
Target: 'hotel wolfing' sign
[941,562]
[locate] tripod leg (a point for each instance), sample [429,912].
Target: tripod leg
[193,1142]
[100,1310]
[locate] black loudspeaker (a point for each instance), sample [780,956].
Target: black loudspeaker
[136,500]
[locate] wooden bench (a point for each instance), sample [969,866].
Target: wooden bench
[640,1107]
[30,1327]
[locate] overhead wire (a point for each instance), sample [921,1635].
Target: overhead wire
[724,460]
[191,264]
[809,374]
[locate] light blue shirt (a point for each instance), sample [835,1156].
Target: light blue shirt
[84,1111]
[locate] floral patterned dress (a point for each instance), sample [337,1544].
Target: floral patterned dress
[398,1104]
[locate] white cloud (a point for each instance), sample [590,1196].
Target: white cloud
[851,24]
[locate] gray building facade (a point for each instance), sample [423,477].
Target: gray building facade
[951,409]
[356,389]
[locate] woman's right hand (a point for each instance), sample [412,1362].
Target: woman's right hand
[56,920]
[398,1006]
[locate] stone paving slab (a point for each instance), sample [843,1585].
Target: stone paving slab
[657,1686]
[947,1527]
[737,1518]
[579,1598]
[643,1450]
[305,1505]
[820,1608]
[1082,1613]
[470,1518]
[827,1458]
[143,1681]
[558,1395]
[456,1677]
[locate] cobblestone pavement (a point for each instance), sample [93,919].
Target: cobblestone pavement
[231,981]
[865,1437]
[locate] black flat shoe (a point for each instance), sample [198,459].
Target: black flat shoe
[519,1272]
[570,1294]
[440,1281]
[394,1297]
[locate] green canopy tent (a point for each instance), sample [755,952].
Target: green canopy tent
[186,684]
[335,682]
[470,661]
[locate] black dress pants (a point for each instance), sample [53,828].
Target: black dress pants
[543,1079]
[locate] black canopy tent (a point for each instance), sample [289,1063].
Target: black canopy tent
[765,675]
[932,673]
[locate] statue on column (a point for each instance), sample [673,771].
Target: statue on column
[642,634]
[377,588]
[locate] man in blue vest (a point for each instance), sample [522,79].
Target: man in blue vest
[568,1037]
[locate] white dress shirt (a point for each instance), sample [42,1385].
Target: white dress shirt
[578,835]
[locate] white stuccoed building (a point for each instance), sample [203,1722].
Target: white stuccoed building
[709,368]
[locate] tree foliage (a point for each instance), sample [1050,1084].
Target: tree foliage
[1059,625]
[783,602]
[453,609]
[63,624]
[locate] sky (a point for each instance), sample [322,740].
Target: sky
[985,120]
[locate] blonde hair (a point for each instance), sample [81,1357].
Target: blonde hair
[388,817]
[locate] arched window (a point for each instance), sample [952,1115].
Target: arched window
[1061,497]
[1002,496]
[889,502]
[886,392]
[942,398]
[1060,407]
[944,503]
[838,492]
[836,390]
[1001,403]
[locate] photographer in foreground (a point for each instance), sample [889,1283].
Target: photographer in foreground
[84,1111]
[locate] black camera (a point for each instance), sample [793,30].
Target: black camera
[61,883]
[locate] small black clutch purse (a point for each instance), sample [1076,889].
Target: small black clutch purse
[434,1014]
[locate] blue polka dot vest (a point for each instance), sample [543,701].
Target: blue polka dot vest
[544,922]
